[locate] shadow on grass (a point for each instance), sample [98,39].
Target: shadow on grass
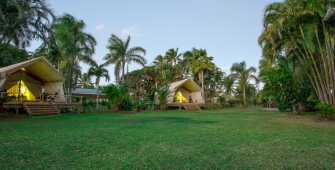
[171,120]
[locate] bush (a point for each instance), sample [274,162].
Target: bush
[284,105]
[325,109]
[222,101]
[88,104]
[126,104]
[310,105]
[147,105]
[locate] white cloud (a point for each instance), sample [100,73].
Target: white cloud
[131,31]
[100,27]
[225,69]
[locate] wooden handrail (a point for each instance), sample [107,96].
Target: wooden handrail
[65,97]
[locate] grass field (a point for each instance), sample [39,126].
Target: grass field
[218,139]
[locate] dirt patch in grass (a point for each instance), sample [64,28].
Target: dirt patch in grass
[306,119]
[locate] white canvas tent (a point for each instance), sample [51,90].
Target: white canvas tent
[188,89]
[29,77]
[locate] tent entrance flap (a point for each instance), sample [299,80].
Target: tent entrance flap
[180,98]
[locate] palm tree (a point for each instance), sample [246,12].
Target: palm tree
[173,56]
[198,62]
[303,28]
[121,54]
[24,21]
[85,81]
[75,45]
[99,72]
[243,75]
[228,84]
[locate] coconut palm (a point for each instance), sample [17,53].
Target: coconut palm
[228,84]
[199,61]
[75,45]
[99,72]
[24,21]
[305,29]
[121,54]
[85,81]
[173,56]
[243,75]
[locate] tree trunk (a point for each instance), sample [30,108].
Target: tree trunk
[123,71]
[202,84]
[69,98]
[244,99]
[97,99]
[295,110]
[162,107]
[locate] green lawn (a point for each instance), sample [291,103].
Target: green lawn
[218,139]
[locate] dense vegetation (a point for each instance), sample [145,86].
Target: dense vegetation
[297,64]
[296,68]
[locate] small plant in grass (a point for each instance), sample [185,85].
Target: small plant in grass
[222,101]
[325,110]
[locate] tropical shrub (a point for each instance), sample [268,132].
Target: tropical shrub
[114,95]
[4,99]
[126,104]
[88,104]
[284,105]
[325,109]
[222,101]
[163,94]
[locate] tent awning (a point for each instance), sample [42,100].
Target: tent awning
[187,84]
[38,68]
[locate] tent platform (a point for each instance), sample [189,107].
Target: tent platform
[186,106]
[46,109]
[182,105]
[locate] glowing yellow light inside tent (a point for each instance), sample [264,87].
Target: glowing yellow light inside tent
[23,90]
[27,95]
[180,98]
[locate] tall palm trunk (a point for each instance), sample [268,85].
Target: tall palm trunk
[244,98]
[202,84]
[123,64]
[97,99]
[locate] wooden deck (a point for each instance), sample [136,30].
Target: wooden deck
[181,105]
[19,104]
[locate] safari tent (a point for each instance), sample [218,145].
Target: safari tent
[184,91]
[32,80]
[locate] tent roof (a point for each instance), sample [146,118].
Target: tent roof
[187,84]
[86,91]
[38,68]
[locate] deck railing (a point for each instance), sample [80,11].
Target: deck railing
[20,98]
[65,99]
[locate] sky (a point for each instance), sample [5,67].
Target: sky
[227,29]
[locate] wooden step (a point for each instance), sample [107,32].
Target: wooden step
[40,108]
[191,106]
